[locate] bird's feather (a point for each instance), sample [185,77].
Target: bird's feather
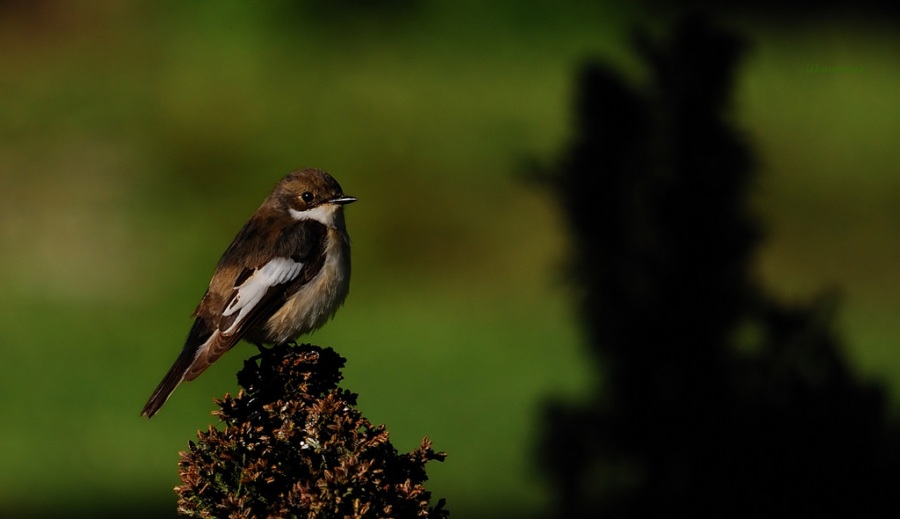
[247,296]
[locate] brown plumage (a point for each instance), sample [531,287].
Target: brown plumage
[284,274]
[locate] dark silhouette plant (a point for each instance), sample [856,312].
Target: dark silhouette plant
[715,399]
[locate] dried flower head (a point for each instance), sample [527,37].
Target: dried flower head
[294,445]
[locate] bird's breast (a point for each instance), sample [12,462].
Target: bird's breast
[316,301]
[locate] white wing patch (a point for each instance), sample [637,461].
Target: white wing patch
[276,272]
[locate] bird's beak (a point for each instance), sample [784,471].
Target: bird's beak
[341,200]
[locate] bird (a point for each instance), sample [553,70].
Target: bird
[285,274]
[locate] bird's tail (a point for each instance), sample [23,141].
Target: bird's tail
[169,383]
[203,346]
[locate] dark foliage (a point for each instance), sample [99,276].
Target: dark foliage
[717,400]
[785,11]
[294,446]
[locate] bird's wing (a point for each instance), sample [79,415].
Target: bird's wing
[256,295]
[256,284]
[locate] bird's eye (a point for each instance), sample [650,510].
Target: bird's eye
[307,197]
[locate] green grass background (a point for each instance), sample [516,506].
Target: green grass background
[136,138]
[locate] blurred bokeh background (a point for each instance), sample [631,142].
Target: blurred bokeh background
[138,137]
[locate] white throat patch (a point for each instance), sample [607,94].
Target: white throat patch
[323,214]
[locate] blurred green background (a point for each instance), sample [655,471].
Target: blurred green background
[138,137]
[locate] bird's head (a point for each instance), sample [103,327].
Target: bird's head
[311,194]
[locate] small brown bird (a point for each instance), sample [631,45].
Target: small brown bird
[285,274]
